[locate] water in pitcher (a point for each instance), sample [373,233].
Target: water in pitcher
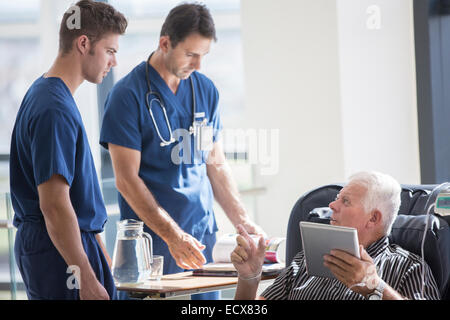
[132,253]
[129,266]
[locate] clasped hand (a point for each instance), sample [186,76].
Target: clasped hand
[360,275]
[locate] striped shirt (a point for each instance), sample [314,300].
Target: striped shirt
[399,268]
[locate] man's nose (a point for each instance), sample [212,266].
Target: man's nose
[333,205]
[197,63]
[114,61]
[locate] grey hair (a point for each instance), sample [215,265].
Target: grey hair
[382,193]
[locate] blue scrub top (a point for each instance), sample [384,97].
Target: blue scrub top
[49,138]
[182,189]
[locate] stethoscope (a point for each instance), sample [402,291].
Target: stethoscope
[159,100]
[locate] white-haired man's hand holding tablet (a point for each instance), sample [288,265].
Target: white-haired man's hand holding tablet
[319,239]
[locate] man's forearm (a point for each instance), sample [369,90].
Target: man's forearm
[63,229]
[142,201]
[246,289]
[390,294]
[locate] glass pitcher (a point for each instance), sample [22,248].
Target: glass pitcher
[133,253]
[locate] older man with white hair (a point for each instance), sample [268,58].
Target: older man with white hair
[369,202]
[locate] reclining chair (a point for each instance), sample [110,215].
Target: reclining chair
[407,230]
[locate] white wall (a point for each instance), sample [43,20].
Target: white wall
[377,68]
[291,81]
[342,96]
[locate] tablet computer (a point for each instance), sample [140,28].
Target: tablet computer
[319,239]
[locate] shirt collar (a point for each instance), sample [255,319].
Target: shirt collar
[375,248]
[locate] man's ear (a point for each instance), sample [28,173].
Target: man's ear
[376,218]
[83,44]
[164,43]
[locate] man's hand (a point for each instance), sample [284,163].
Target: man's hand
[91,289]
[248,258]
[352,271]
[253,228]
[187,251]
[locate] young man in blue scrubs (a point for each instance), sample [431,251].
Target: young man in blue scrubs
[58,205]
[171,187]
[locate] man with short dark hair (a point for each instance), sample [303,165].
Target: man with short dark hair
[59,210]
[161,127]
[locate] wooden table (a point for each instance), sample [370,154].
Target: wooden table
[180,284]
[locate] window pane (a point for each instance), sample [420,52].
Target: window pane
[136,9]
[18,11]
[18,69]
[160,8]
[223,5]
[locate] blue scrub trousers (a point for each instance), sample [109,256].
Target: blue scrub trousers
[43,269]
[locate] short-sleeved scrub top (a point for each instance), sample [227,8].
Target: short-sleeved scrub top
[175,174]
[49,138]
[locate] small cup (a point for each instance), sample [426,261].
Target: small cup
[157,268]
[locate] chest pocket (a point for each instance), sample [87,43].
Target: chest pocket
[186,148]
